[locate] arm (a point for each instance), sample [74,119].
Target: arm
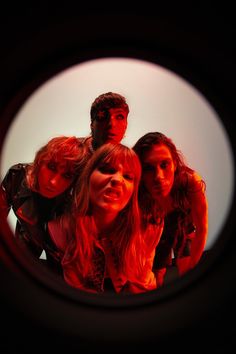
[9,188]
[199,215]
[4,205]
[5,197]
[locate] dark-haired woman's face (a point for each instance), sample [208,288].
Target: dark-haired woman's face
[158,169]
[111,187]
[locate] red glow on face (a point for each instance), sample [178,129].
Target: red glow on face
[110,126]
[111,187]
[158,171]
[53,179]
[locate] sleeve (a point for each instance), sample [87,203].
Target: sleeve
[8,189]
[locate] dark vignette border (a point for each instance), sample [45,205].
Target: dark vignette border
[34,303]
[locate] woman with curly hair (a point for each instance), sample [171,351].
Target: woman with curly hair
[39,191]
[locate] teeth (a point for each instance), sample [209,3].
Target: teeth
[112,193]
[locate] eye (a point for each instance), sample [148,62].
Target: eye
[52,166]
[164,164]
[129,176]
[106,169]
[68,175]
[120,117]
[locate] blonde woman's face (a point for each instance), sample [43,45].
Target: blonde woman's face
[111,187]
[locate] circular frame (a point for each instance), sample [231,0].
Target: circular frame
[33,299]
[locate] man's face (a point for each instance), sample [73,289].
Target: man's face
[109,126]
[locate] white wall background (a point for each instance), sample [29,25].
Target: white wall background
[159,100]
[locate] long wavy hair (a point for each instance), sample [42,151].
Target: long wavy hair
[67,150]
[125,233]
[181,177]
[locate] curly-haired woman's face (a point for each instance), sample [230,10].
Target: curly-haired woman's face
[54,179]
[158,170]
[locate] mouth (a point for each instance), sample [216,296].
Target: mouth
[160,188]
[112,193]
[50,191]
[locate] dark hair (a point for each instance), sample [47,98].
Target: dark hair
[182,172]
[146,142]
[106,101]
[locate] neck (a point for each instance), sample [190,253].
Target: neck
[104,221]
[164,204]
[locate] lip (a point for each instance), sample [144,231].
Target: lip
[160,188]
[112,193]
[50,191]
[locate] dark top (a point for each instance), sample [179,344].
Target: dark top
[176,238]
[32,211]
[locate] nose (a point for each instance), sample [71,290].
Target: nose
[111,122]
[117,179]
[54,181]
[159,175]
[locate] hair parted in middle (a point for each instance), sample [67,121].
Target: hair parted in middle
[126,232]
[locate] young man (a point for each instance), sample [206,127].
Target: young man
[108,114]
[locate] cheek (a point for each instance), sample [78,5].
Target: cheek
[43,176]
[129,191]
[123,127]
[170,175]
[64,184]
[94,184]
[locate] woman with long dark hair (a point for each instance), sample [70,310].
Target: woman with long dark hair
[171,190]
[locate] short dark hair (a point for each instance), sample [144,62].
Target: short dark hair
[106,101]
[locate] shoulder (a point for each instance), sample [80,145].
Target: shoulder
[17,169]
[14,175]
[85,140]
[195,182]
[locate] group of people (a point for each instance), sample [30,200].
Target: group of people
[109,217]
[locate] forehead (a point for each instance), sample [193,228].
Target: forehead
[118,110]
[125,162]
[157,153]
